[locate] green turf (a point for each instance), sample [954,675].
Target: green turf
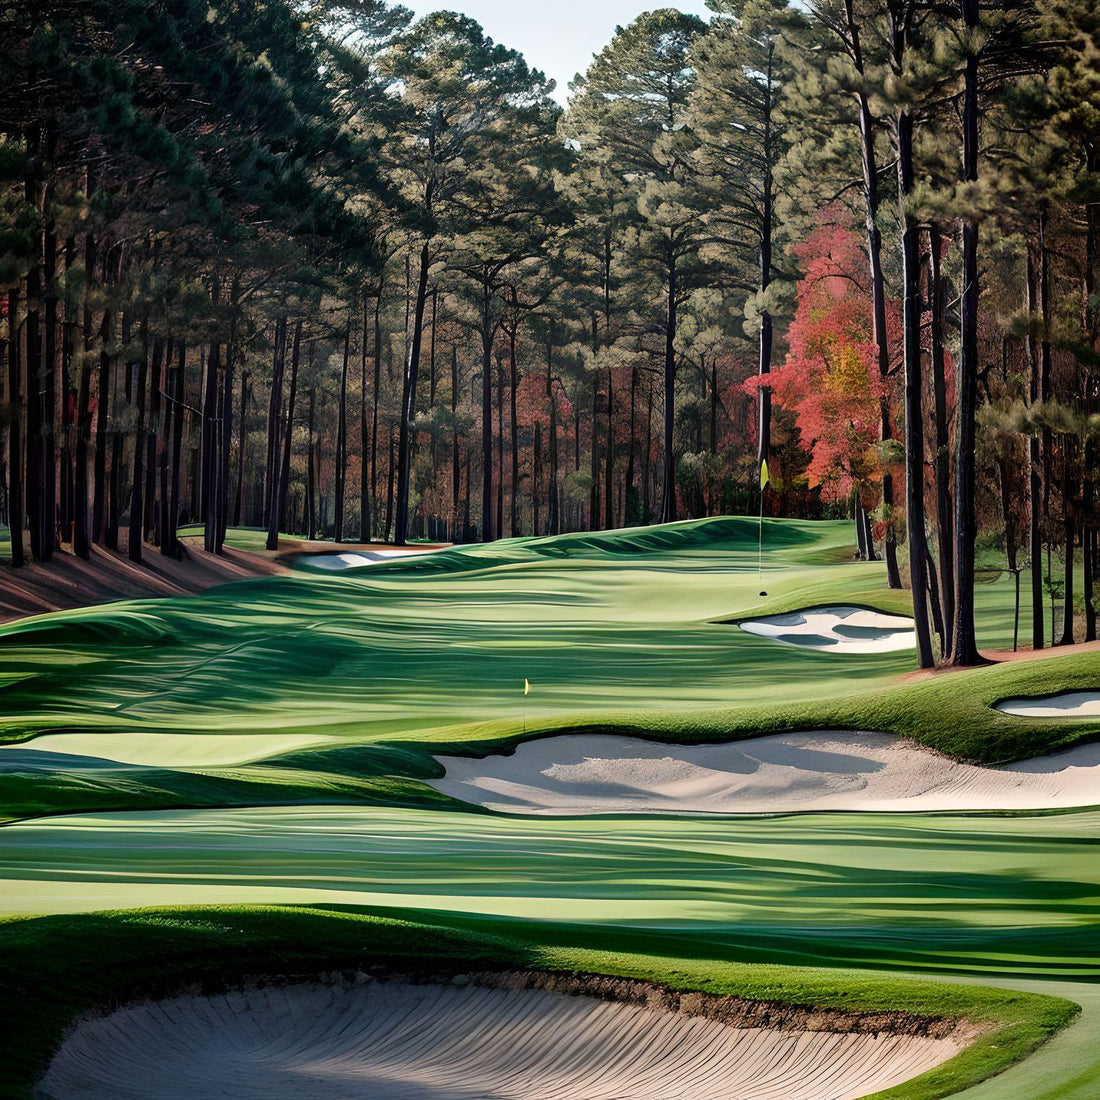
[978,894]
[619,630]
[376,669]
[51,968]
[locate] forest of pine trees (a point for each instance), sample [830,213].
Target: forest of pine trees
[318,268]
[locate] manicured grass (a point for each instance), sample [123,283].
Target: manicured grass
[619,630]
[55,967]
[377,669]
[965,893]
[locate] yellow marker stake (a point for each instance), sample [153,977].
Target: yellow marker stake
[526,691]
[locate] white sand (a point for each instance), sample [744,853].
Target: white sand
[838,630]
[1070,704]
[394,1041]
[776,774]
[354,559]
[73,751]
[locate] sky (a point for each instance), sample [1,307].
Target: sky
[557,36]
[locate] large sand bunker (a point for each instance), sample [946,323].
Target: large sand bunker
[355,559]
[393,1040]
[781,773]
[837,630]
[1070,704]
[82,751]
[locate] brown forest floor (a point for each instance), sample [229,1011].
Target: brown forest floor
[67,581]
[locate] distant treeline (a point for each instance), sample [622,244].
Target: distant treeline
[324,269]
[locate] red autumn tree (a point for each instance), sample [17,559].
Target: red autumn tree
[830,380]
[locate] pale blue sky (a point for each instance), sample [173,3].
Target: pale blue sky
[557,36]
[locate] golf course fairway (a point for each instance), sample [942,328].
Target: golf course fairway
[264,764]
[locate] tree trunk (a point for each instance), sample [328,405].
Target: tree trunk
[311,483]
[154,442]
[1071,537]
[513,370]
[364,434]
[279,512]
[594,458]
[242,447]
[869,165]
[169,542]
[137,499]
[16,515]
[668,505]
[221,481]
[914,412]
[209,436]
[82,517]
[945,526]
[500,450]
[375,393]
[964,643]
[486,422]
[389,485]
[765,263]
[609,457]
[408,400]
[1038,626]
[456,475]
[99,459]
[342,440]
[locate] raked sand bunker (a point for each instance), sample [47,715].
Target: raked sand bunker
[837,630]
[1069,704]
[390,1040]
[780,773]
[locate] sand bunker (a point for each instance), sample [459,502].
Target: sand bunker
[80,751]
[837,630]
[776,774]
[1070,704]
[355,559]
[397,1041]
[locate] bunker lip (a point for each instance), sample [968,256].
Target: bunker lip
[836,628]
[338,561]
[832,771]
[1063,704]
[421,1034]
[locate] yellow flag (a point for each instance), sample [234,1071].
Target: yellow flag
[763,475]
[526,686]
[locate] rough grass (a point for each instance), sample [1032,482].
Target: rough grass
[53,968]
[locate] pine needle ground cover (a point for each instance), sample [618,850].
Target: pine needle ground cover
[279,732]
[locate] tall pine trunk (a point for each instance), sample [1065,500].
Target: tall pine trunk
[1035,488]
[964,643]
[914,411]
[945,525]
[279,512]
[668,504]
[16,514]
[342,438]
[274,409]
[137,493]
[408,397]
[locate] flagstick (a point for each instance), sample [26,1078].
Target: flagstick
[760,529]
[760,548]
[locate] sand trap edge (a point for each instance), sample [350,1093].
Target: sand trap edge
[728,1009]
[1026,706]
